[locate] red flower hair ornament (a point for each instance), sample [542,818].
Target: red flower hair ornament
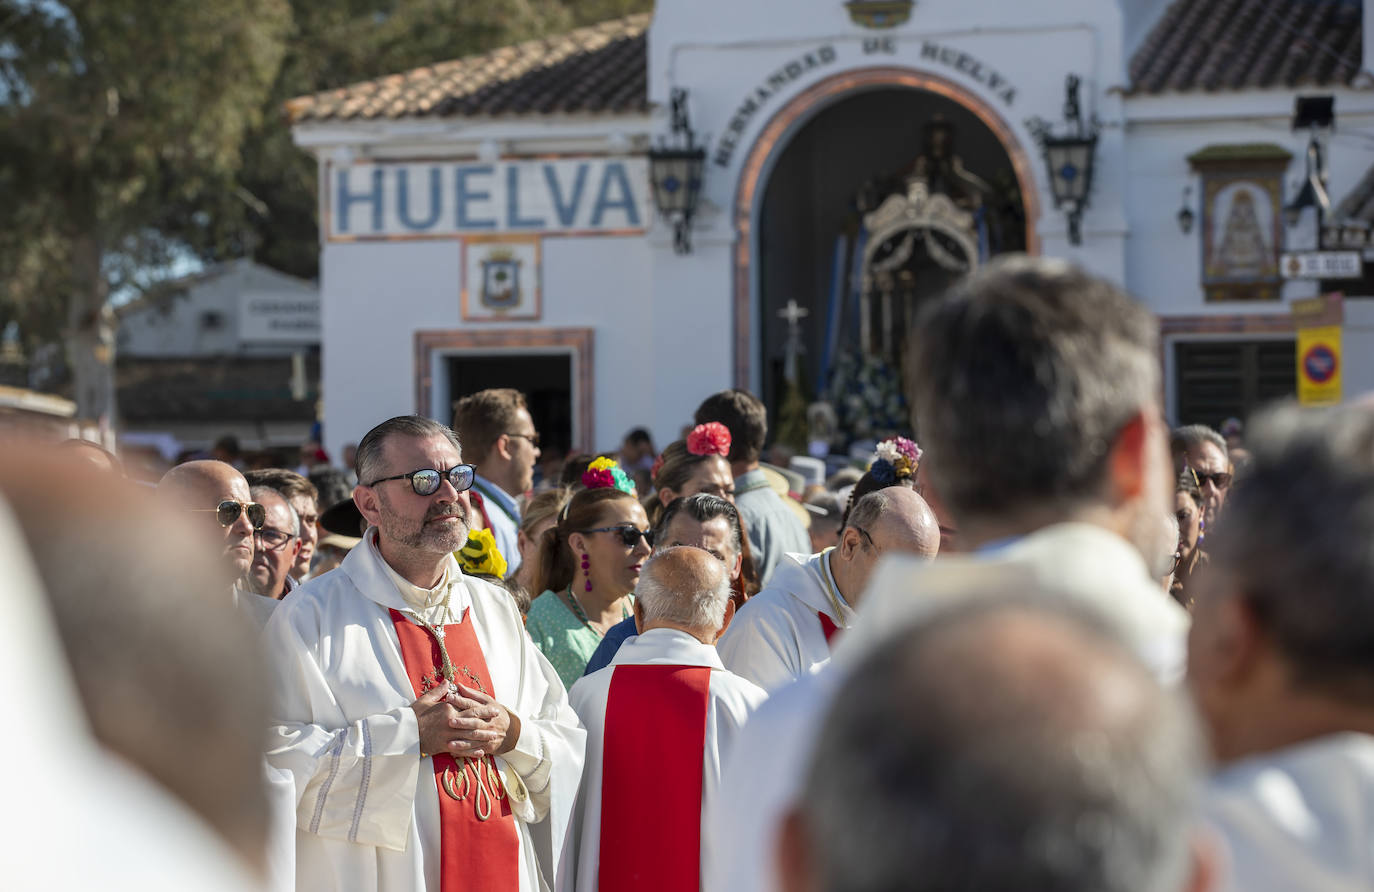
[711,438]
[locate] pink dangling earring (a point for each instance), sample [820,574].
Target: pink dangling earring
[586,571]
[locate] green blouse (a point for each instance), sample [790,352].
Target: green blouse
[566,641]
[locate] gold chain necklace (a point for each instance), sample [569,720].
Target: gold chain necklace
[581,614]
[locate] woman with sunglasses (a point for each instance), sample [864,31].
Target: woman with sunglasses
[587,568]
[1189,505]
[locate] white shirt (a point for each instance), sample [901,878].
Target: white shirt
[258,608]
[731,700]
[503,513]
[1081,562]
[368,817]
[1299,818]
[776,637]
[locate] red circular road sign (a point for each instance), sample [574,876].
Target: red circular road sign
[1319,363]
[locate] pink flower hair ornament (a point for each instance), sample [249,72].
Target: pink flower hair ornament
[711,438]
[605,473]
[896,460]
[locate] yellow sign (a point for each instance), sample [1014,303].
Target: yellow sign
[1319,365]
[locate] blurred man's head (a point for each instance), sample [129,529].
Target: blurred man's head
[275,546]
[1035,388]
[745,417]
[1204,450]
[500,437]
[888,521]
[1000,745]
[683,588]
[1282,643]
[221,510]
[825,521]
[168,670]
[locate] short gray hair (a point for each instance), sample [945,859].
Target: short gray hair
[868,510]
[1298,541]
[1022,377]
[1192,435]
[263,491]
[698,606]
[988,777]
[367,464]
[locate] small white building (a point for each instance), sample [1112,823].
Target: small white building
[489,221]
[233,349]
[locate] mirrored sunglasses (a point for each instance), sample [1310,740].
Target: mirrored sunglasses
[426,481]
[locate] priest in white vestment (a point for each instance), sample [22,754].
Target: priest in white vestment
[433,746]
[660,720]
[1036,395]
[788,629]
[1281,659]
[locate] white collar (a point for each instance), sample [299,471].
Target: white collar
[377,581]
[805,578]
[666,647]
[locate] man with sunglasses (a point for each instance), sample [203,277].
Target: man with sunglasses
[431,745]
[221,508]
[1202,449]
[275,546]
[499,433]
[787,630]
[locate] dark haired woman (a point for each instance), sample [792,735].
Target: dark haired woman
[587,568]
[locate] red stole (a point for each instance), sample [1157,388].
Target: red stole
[655,740]
[473,853]
[828,629]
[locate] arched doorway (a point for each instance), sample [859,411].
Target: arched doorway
[808,201]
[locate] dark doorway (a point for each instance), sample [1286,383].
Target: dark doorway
[1231,379]
[544,378]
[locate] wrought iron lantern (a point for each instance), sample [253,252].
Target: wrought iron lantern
[1185,213]
[1069,158]
[676,167]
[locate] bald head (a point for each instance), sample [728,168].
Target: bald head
[894,520]
[1003,744]
[200,486]
[684,588]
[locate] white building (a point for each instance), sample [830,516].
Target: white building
[230,350]
[489,221]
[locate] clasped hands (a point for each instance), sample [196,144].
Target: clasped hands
[468,724]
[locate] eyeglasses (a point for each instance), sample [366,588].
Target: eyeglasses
[863,532]
[1221,479]
[533,438]
[629,536]
[228,511]
[426,481]
[1178,559]
[274,540]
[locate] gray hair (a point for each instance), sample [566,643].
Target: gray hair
[1193,435]
[695,602]
[263,491]
[703,507]
[947,766]
[1022,376]
[367,464]
[1298,541]
[868,510]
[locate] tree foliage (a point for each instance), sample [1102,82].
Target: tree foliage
[134,133]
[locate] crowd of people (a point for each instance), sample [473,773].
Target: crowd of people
[1056,645]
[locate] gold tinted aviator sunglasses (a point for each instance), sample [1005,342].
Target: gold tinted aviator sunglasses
[228,511]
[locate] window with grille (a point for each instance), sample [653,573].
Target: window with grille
[1217,380]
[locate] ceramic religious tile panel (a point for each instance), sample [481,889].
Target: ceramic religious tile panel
[1242,221]
[501,278]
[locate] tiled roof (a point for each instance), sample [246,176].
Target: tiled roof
[600,68]
[1247,44]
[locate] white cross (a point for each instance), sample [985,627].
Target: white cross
[793,313]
